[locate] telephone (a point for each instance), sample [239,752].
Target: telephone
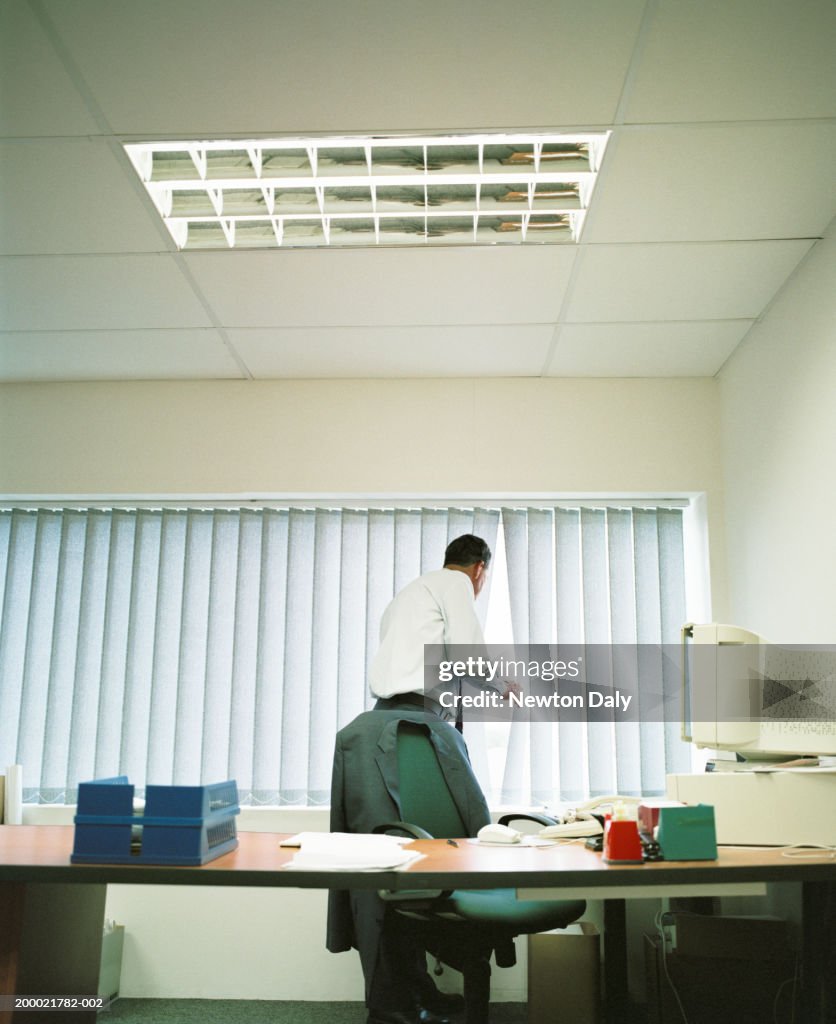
[585,819]
[577,829]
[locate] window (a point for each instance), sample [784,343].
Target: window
[178,645]
[600,576]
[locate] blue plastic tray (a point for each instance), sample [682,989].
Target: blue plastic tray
[180,824]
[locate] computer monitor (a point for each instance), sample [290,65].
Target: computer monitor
[760,700]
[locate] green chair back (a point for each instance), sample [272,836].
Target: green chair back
[425,798]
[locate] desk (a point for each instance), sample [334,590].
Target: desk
[33,858]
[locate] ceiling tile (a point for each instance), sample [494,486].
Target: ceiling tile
[409,287]
[721,61]
[49,293]
[707,182]
[39,97]
[696,349]
[670,281]
[511,351]
[696,224]
[78,199]
[115,355]
[333,66]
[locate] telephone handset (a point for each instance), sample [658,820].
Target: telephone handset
[581,820]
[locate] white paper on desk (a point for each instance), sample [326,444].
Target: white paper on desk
[303,837]
[334,852]
[528,839]
[13,814]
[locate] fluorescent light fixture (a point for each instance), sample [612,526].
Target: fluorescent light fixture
[487,189]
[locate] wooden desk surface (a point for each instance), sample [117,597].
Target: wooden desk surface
[36,853]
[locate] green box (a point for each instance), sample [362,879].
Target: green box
[687,833]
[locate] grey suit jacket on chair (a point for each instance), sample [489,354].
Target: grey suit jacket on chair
[364,794]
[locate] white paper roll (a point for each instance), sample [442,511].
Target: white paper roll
[14,795]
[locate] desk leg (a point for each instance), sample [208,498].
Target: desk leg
[818,953]
[616,989]
[50,945]
[11,926]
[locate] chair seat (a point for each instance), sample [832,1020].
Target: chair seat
[500,908]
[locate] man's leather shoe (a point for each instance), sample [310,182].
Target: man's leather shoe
[442,1002]
[429,1017]
[426,1016]
[405,1017]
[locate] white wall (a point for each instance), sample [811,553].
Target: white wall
[196,942]
[359,435]
[779,461]
[353,437]
[366,438]
[233,943]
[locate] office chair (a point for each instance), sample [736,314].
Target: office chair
[460,928]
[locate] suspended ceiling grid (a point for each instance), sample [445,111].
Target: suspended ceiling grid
[715,185]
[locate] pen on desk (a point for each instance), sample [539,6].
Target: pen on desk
[452,842]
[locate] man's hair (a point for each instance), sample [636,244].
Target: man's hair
[467,550]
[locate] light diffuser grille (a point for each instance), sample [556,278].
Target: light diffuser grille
[351,191]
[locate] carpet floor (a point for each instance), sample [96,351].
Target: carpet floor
[254,1011]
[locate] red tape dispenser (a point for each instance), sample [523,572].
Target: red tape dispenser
[622,843]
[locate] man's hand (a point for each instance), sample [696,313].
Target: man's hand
[510,687]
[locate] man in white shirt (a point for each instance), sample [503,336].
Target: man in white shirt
[437,608]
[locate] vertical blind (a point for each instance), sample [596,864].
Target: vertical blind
[596,576]
[183,645]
